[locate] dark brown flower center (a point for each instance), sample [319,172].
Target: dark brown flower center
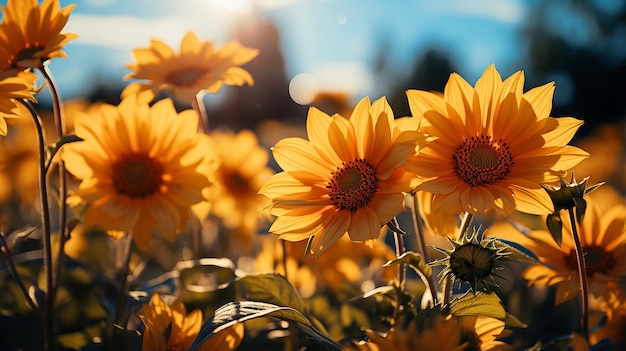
[596,260]
[137,175]
[471,262]
[236,184]
[480,160]
[28,52]
[186,76]
[353,185]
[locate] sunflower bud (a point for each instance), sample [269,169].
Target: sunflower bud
[565,197]
[472,260]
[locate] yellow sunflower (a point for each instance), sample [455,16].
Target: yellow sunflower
[141,168]
[347,178]
[444,333]
[603,239]
[31,33]
[171,328]
[198,66]
[241,171]
[495,145]
[20,86]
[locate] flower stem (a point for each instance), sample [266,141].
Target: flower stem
[421,244]
[198,105]
[121,297]
[399,288]
[284,248]
[582,275]
[447,287]
[48,310]
[13,269]
[60,130]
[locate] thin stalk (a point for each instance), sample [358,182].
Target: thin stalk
[582,276]
[284,247]
[20,283]
[421,245]
[60,130]
[399,289]
[121,297]
[198,105]
[447,287]
[48,309]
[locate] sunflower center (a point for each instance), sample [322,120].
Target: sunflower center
[353,185]
[235,183]
[186,76]
[471,262]
[481,160]
[596,260]
[137,175]
[28,52]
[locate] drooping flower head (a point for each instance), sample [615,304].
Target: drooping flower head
[198,66]
[30,33]
[347,178]
[170,328]
[20,86]
[603,240]
[495,145]
[141,168]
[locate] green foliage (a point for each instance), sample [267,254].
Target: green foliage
[237,312]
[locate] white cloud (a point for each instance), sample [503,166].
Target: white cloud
[351,77]
[125,31]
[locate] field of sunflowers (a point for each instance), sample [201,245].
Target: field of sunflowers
[474,223]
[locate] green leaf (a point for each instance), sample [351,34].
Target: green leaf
[54,148]
[415,261]
[394,228]
[555,226]
[516,251]
[593,187]
[479,304]
[271,288]
[237,312]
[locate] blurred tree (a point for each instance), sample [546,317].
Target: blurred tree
[582,46]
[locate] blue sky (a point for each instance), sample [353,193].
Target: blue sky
[335,41]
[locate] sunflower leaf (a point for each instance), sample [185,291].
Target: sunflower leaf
[241,311]
[66,139]
[478,304]
[555,226]
[516,251]
[415,261]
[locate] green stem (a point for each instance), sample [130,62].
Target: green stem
[199,106]
[284,247]
[447,288]
[421,244]
[582,275]
[45,223]
[399,289]
[60,130]
[121,297]
[20,283]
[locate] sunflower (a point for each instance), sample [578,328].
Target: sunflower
[443,333]
[141,168]
[20,86]
[603,239]
[31,33]
[171,328]
[495,145]
[348,178]
[241,171]
[198,66]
